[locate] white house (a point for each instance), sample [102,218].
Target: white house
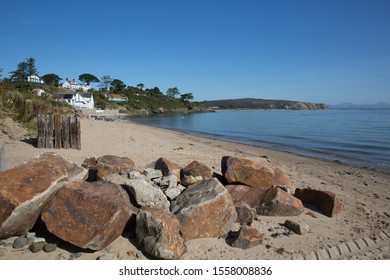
[78,100]
[73,85]
[31,79]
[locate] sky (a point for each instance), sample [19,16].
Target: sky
[329,51]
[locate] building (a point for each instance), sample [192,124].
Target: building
[31,79]
[74,86]
[78,100]
[117,98]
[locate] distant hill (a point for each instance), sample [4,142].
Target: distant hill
[264,104]
[351,106]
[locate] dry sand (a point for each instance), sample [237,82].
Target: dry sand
[360,231]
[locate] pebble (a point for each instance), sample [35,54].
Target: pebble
[37,245]
[50,247]
[30,235]
[75,255]
[19,242]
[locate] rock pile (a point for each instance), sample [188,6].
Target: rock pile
[165,205]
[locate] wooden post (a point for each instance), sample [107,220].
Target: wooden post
[41,131]
[73,132]
[2,157]
[78,135]
[49,132]
[57,132]
[65,132]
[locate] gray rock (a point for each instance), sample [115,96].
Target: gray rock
[135,175]
[297,227]
[174,208]
[146,195]
[152,173]
[19,242]
[116,178]
[31,235]
[50,247]
[37,245]
[169,181]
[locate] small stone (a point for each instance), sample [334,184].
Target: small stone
[19,242]
[31,235]
[169,181]
[297,227]
[37,245]
[152,173]
[188,180]
[139,254]
[75,255]
[50,247]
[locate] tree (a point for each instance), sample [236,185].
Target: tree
[117,85]
[105,82]
[25,69]
[173,92]
[88,78]
[51,79]
[186,97]
[141,86]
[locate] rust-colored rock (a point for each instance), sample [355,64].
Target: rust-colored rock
[113,164]
[245,194]
[277,202]
[326,201]
[245,215]
[247,237]
[205,210]
[24,191]
[253,173]
[90,164]
[246,171]
[167,167]
[88,215]
[196,168]
[158,233]
[75,172]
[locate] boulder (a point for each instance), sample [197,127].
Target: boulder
[205,210]
[253,173]
[196,168]
[113,164]
[75,171]
[145,194]
[158,233]
[280,179]
[277,202]
[247,237]
[90,164]
[174,191]
[167,167]
[245,194]
[24,191]
[326,201]
[88,215]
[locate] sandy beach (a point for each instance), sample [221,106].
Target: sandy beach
[365,194]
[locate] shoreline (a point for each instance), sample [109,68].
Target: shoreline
[364,193]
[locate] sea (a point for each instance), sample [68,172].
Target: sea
[355,137]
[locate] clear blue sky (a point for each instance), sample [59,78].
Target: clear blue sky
[330,51]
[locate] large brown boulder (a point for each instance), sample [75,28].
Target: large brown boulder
[24,191]
[113,164]
[88,215]
[245,194]
[247,237]
[205,210]
[167,167]
[196,168]
[277,202]
[252,173]
[326,201]
[158,233]
[75,171]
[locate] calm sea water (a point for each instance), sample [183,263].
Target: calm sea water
[357,137]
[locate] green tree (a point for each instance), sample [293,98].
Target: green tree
[105,82]
[88,78]
[51,79]
[140,85]
[186,97]
[173,92]
[25,69]
[117,85]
